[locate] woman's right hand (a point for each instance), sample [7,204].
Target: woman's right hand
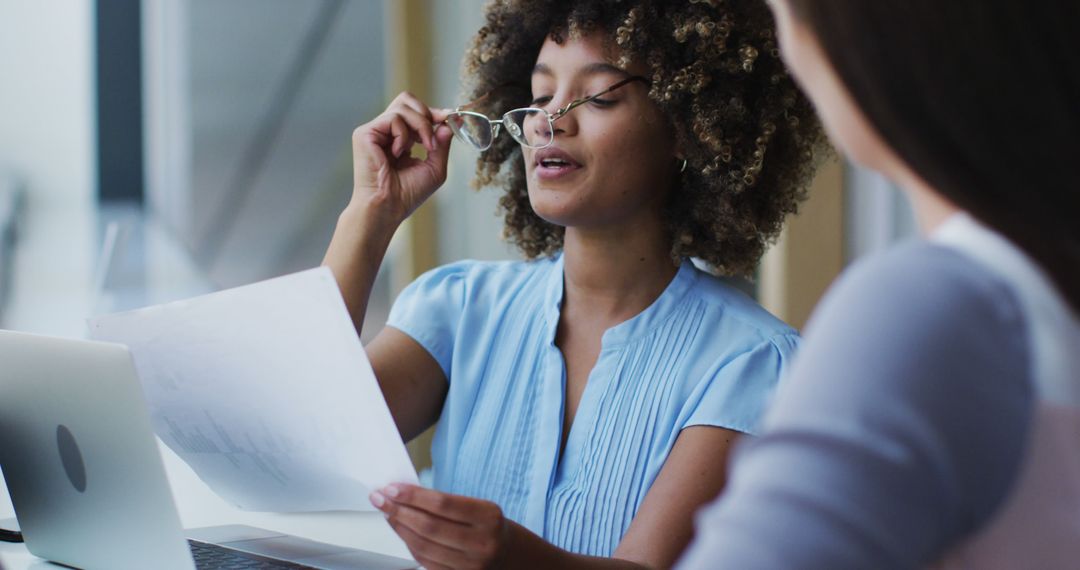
[388,183]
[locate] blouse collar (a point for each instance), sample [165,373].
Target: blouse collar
[637,326]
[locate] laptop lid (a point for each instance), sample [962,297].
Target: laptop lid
[80,458]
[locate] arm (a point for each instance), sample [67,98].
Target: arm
[388,185]
[898,433]
[694,474]
[450,531]
[411,380]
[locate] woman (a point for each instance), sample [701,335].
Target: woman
[931,417]
[585,399]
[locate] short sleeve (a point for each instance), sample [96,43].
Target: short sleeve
[429,310]
[737,391]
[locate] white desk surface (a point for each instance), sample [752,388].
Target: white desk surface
[199,506]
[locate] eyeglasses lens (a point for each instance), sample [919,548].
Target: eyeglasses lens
[472,128]
[530,127]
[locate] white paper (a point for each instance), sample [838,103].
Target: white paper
[266,392]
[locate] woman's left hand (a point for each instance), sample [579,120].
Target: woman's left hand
[443,530]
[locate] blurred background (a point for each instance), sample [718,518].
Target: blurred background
[151,150]
[155,149]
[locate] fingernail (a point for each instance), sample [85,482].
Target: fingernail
[377,499]
[391,491]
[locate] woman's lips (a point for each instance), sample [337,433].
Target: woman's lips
[553,172]
[553,163]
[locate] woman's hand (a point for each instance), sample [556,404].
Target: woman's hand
[445,531]
[387,181]
[388,185]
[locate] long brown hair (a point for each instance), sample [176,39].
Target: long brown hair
[982,99]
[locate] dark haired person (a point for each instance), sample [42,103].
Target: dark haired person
[931,416]
[585,399]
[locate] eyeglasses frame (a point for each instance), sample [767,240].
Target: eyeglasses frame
[552,117]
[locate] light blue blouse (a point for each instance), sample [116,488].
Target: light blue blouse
[702,354]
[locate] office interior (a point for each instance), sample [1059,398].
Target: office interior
[152,150]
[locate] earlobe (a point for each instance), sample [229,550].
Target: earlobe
[680,157]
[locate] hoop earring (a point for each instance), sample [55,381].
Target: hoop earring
[683,167]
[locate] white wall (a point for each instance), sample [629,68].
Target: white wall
[468,225]
[47,138]
[46,98]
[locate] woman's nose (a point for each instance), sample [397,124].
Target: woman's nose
[565,123]
[541,128]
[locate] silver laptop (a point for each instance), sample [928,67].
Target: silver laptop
[86,478]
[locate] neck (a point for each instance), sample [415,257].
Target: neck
[615,273]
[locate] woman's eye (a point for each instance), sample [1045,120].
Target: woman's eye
[603,102]
[542,100]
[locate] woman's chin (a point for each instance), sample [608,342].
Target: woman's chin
[556,208]
[555,217]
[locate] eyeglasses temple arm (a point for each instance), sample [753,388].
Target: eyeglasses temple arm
[579,102]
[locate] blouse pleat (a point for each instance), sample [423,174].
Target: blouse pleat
[663,370]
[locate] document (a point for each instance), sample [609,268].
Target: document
[266,392]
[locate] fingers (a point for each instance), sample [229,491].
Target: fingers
[449,530]
[406,128]
[400,135]
[409,100]
[438,158]
[439,115]
[382,161]
[405,122]
[433,114]
[448,533]
[426,117]
[429,553]
[464,510]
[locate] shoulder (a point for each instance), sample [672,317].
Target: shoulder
[918,357]
[924,340]
[920,288]
[472,280]
[458,298]
[490,272]
[741,354]
[921,299]
[732,313]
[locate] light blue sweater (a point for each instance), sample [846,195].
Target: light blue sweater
[899,432]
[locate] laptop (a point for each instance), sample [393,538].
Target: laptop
[86,477]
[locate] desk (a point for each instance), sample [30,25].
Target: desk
[199,506]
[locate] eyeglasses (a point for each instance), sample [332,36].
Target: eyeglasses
[530,126]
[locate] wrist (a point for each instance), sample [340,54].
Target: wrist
[359,243]
[521,548]
[368,222]
[507,532]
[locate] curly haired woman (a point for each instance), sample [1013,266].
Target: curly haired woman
[586,399]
